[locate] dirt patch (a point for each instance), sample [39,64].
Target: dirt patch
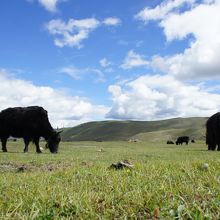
[20,168]
[7,167]
[87,163]
[10,167]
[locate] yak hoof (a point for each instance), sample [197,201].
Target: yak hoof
[4,150]
[39,152]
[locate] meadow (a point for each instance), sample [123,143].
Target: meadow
[166,182]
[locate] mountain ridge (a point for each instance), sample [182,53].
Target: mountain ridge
[113,130]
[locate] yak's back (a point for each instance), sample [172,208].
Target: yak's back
[20,113]
[213,124]
[24,121]
[213,128]
[23,117]
[214,119]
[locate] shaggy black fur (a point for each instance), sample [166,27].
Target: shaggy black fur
[29,123]
[213,132]
[182,139]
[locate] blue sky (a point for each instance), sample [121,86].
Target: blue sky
[98,60]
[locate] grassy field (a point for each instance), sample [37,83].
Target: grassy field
[167,182]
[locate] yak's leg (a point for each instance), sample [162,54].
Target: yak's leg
[4,142]
[36,142]
[212,147]
[26,142]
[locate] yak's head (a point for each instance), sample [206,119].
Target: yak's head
[53,142]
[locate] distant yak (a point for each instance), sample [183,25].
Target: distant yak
[170,142]
[182,139]
[29,123]
[213,132]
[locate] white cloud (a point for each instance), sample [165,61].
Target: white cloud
[50,5]
[200,59]
[134,60]
[63,109]
[72,71]
[73,32]
[162,10]
[79,74]
[160,97]
[112,21]
[104,62]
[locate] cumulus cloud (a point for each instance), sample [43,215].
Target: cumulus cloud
[50,5]
[200,59]
[162,10]
[112,21]
[63,109]
[134,60]
[73,32]
[160,97]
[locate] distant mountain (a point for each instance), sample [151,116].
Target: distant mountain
[142,130]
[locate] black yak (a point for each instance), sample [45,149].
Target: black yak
[182,139]
[170,142]
[213,132]
[29,123]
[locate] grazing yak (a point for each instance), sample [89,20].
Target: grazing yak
[182,139]
[29,123]
[170,142]
[213,132]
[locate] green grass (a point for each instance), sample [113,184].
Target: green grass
[78,184]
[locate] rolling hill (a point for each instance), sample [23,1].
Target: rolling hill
[142,130]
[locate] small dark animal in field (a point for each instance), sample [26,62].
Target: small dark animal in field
[98,140]
[170,142]
[29,123]
[193,141]
[182,139]
[213,132]
[121,165]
